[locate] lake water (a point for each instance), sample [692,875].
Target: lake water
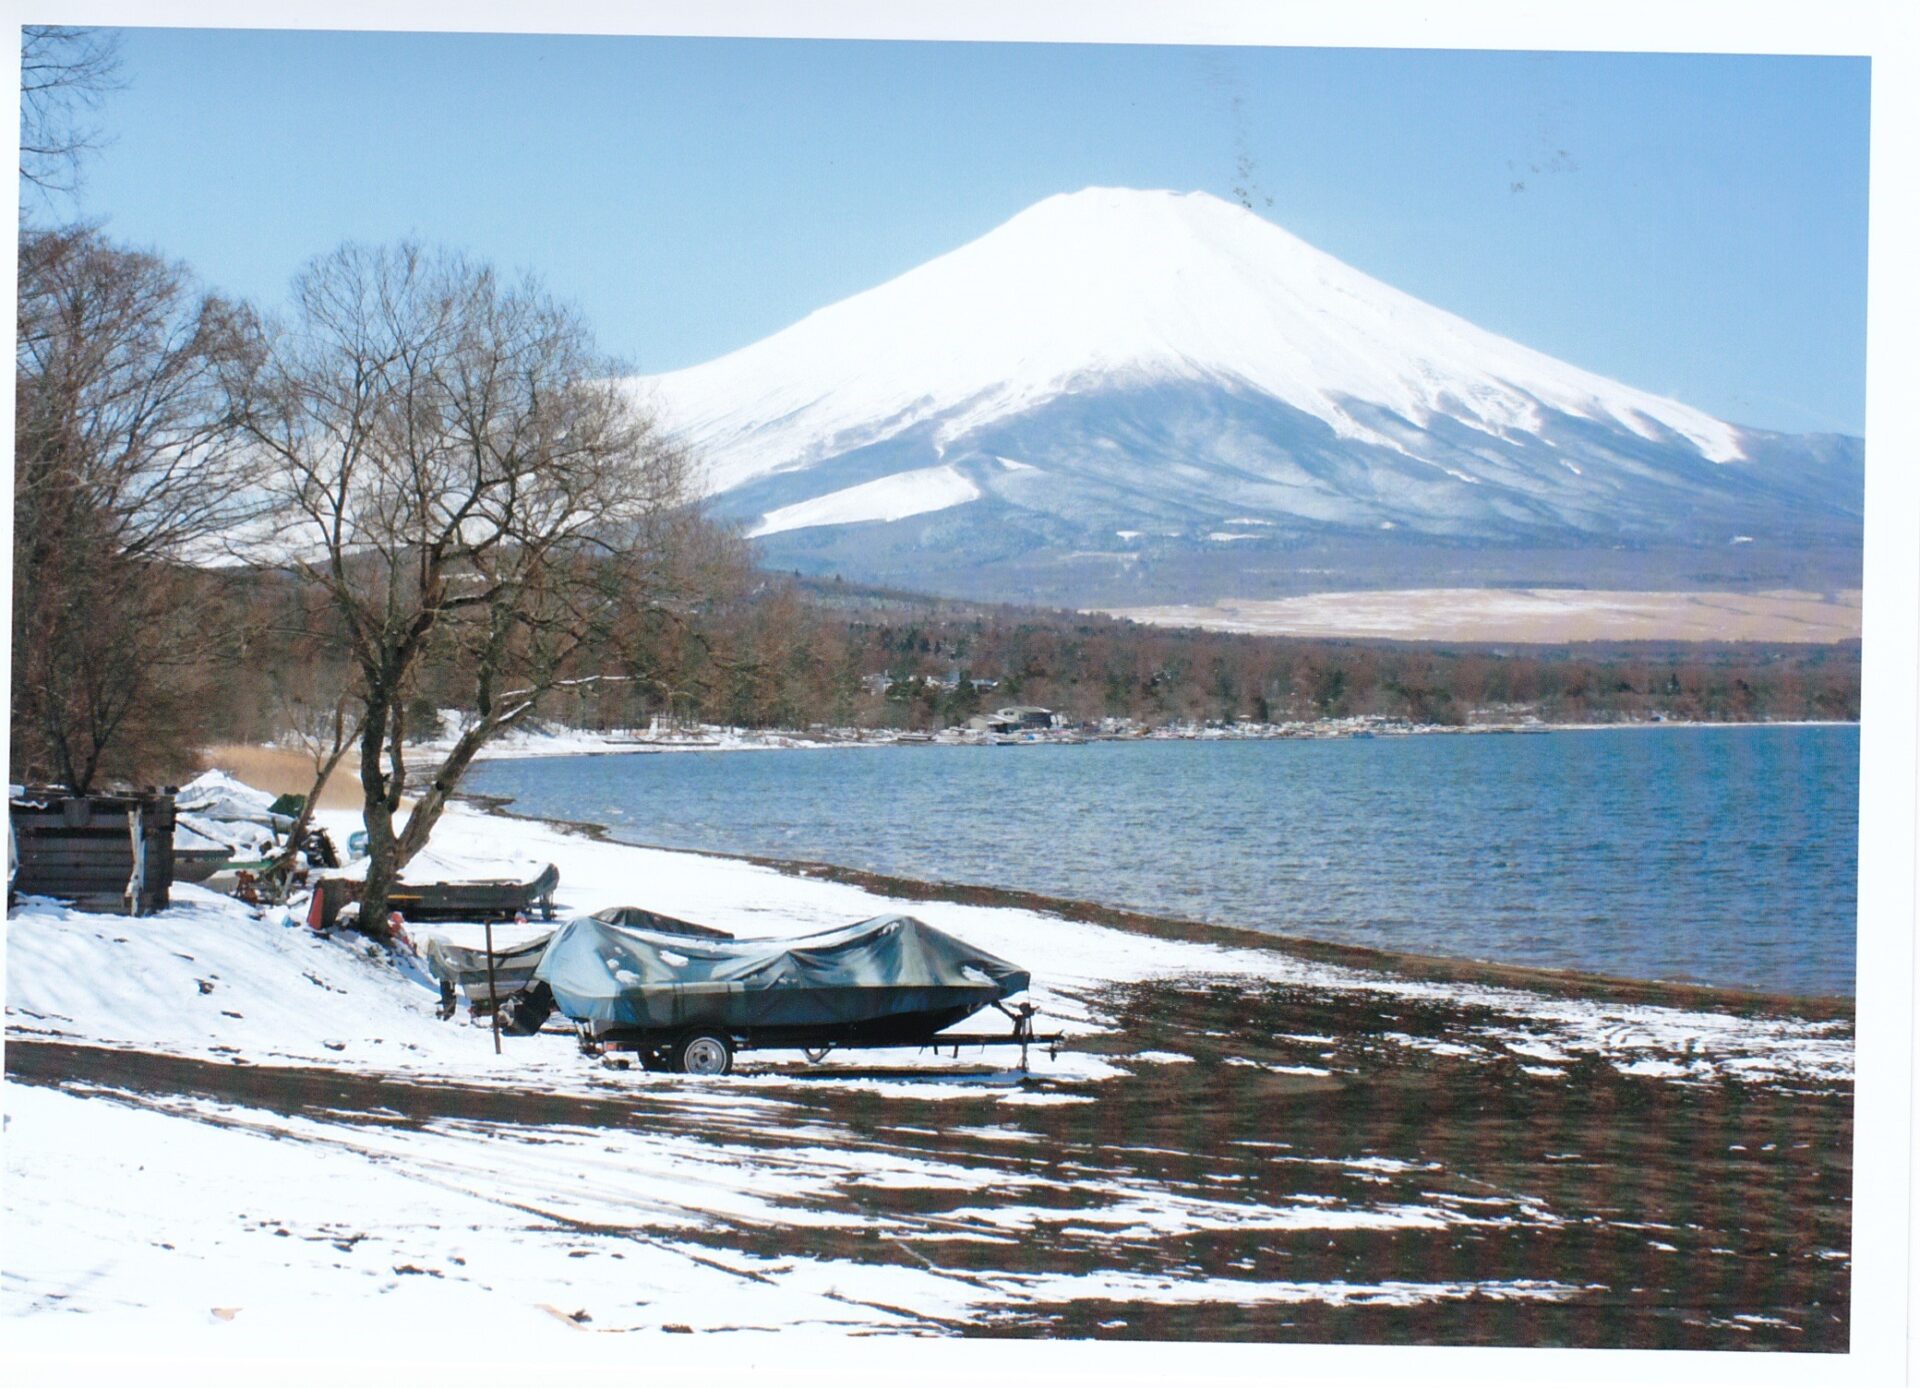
[1718,855]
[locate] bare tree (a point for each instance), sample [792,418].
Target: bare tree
[325,734]
[460,472]
[64,73]
[125,470]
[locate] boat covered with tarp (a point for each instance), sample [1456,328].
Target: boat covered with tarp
[885,981]
[458,967]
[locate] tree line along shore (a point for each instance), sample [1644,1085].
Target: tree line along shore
[775,654]
[780,653]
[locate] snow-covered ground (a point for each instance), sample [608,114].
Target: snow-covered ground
[251,1214]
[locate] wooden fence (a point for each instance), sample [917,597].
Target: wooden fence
[102,852]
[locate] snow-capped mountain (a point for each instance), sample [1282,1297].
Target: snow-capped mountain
[1125,387]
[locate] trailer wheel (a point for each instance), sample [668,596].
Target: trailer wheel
[703,1053]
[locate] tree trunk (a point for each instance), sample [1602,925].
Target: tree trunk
[446,779]
[383,860]
[281,873]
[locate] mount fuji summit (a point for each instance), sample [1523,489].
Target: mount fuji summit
[1119,395]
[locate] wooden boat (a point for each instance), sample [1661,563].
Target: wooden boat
[493,899]
[482,900]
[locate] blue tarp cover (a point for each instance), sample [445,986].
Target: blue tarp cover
[887,967]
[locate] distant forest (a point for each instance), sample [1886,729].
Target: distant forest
[767,651]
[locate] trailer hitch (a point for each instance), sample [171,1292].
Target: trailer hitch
[1022,1019]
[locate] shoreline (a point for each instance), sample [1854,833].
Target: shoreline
[1235,1143]
[573,742]
[1404,964]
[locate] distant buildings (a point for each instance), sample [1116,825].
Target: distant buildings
[881,683]
[1012,719]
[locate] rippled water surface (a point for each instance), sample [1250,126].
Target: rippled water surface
[1721,855]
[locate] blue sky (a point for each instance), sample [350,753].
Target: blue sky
[1693,225]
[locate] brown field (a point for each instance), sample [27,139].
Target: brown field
[285,772]
[1529,615]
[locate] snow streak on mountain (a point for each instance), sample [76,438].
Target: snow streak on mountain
[1120,392]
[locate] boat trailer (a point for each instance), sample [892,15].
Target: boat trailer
[655,1049]
[1023,1035]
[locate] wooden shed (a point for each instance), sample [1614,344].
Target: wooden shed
[101,852]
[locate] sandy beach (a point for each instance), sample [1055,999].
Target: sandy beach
[283,771]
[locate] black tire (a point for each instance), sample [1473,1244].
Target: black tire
[703,1053]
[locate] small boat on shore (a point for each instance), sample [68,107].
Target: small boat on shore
[689,1003]
[459,968]
[489,899]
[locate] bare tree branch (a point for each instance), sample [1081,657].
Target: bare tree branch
[463,478]
[125,466]
[65,73]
